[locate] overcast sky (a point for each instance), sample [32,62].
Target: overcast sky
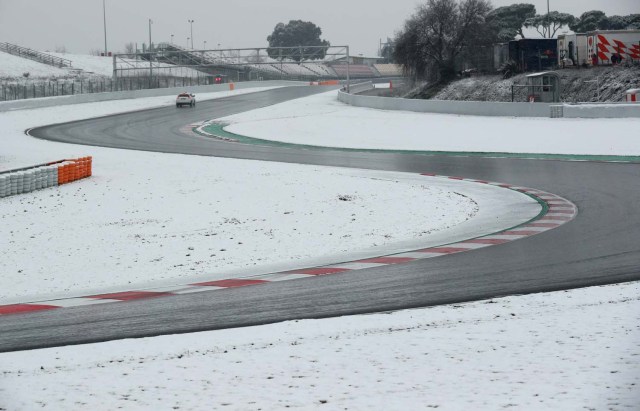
[78,24]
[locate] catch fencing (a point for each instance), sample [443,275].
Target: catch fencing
[20,90]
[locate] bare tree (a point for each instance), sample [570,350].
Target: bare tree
[129,48]
[437,33]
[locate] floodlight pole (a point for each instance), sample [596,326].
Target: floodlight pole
[104,17]
[191,23]
[150,57]
[548,22]
[348,77]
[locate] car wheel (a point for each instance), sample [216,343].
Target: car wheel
[177,105]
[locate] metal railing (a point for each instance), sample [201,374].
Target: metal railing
[27,89]
[34,55]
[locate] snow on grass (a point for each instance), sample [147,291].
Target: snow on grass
[148,220]
[568,350]
[339,125]
[14,66]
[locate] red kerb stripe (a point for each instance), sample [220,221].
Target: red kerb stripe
[24,308]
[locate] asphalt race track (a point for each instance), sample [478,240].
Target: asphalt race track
[601,246]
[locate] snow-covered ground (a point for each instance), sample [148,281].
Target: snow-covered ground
[340,125]
[567,350]
[573,350]
[14,66]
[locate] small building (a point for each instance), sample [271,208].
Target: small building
[572,50]
[544,87]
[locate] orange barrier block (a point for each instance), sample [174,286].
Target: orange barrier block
[61,174]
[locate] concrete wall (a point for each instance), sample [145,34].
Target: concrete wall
[630,110]
[120,95]
[473,108]
[489,108]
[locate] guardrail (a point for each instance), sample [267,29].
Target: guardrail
[472,108]
[121,95]
[28,179]
[360,87]
[31,54]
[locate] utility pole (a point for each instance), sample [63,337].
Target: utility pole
[548,21]
[104,17]
[191,23]
[150,58]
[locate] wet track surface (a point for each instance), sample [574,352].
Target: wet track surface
[601,246]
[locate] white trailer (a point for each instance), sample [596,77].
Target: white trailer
[607,43]
[572,50]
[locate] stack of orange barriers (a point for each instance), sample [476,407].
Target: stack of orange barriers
[325,83]
[74,169]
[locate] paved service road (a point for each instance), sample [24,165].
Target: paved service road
[601,246]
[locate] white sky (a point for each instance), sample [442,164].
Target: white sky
[78,24]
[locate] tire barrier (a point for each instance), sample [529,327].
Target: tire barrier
[42,176]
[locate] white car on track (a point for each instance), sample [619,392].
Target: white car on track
[186,99]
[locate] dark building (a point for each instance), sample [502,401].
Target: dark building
[534,54]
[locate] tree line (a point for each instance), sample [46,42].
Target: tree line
[440,31]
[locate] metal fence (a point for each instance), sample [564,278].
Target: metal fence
[19,90]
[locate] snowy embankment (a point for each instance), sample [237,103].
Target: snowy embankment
[338,125]
[568,350]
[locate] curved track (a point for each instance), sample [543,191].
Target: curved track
[602,245]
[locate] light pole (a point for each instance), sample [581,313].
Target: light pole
[104,17]
[150,58]
[172,39]
[205,45]
[188,41]
[548,22]
[191,23]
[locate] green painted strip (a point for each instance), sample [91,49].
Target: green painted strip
[217,129]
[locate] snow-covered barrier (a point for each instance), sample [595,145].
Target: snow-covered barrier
[471,108]
[609,110]
[121,95]
[489,108]
[42,176]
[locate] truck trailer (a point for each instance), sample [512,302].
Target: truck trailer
[572,50]
[602,45]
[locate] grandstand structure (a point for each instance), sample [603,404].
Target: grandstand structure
[34,55]
[310,63]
